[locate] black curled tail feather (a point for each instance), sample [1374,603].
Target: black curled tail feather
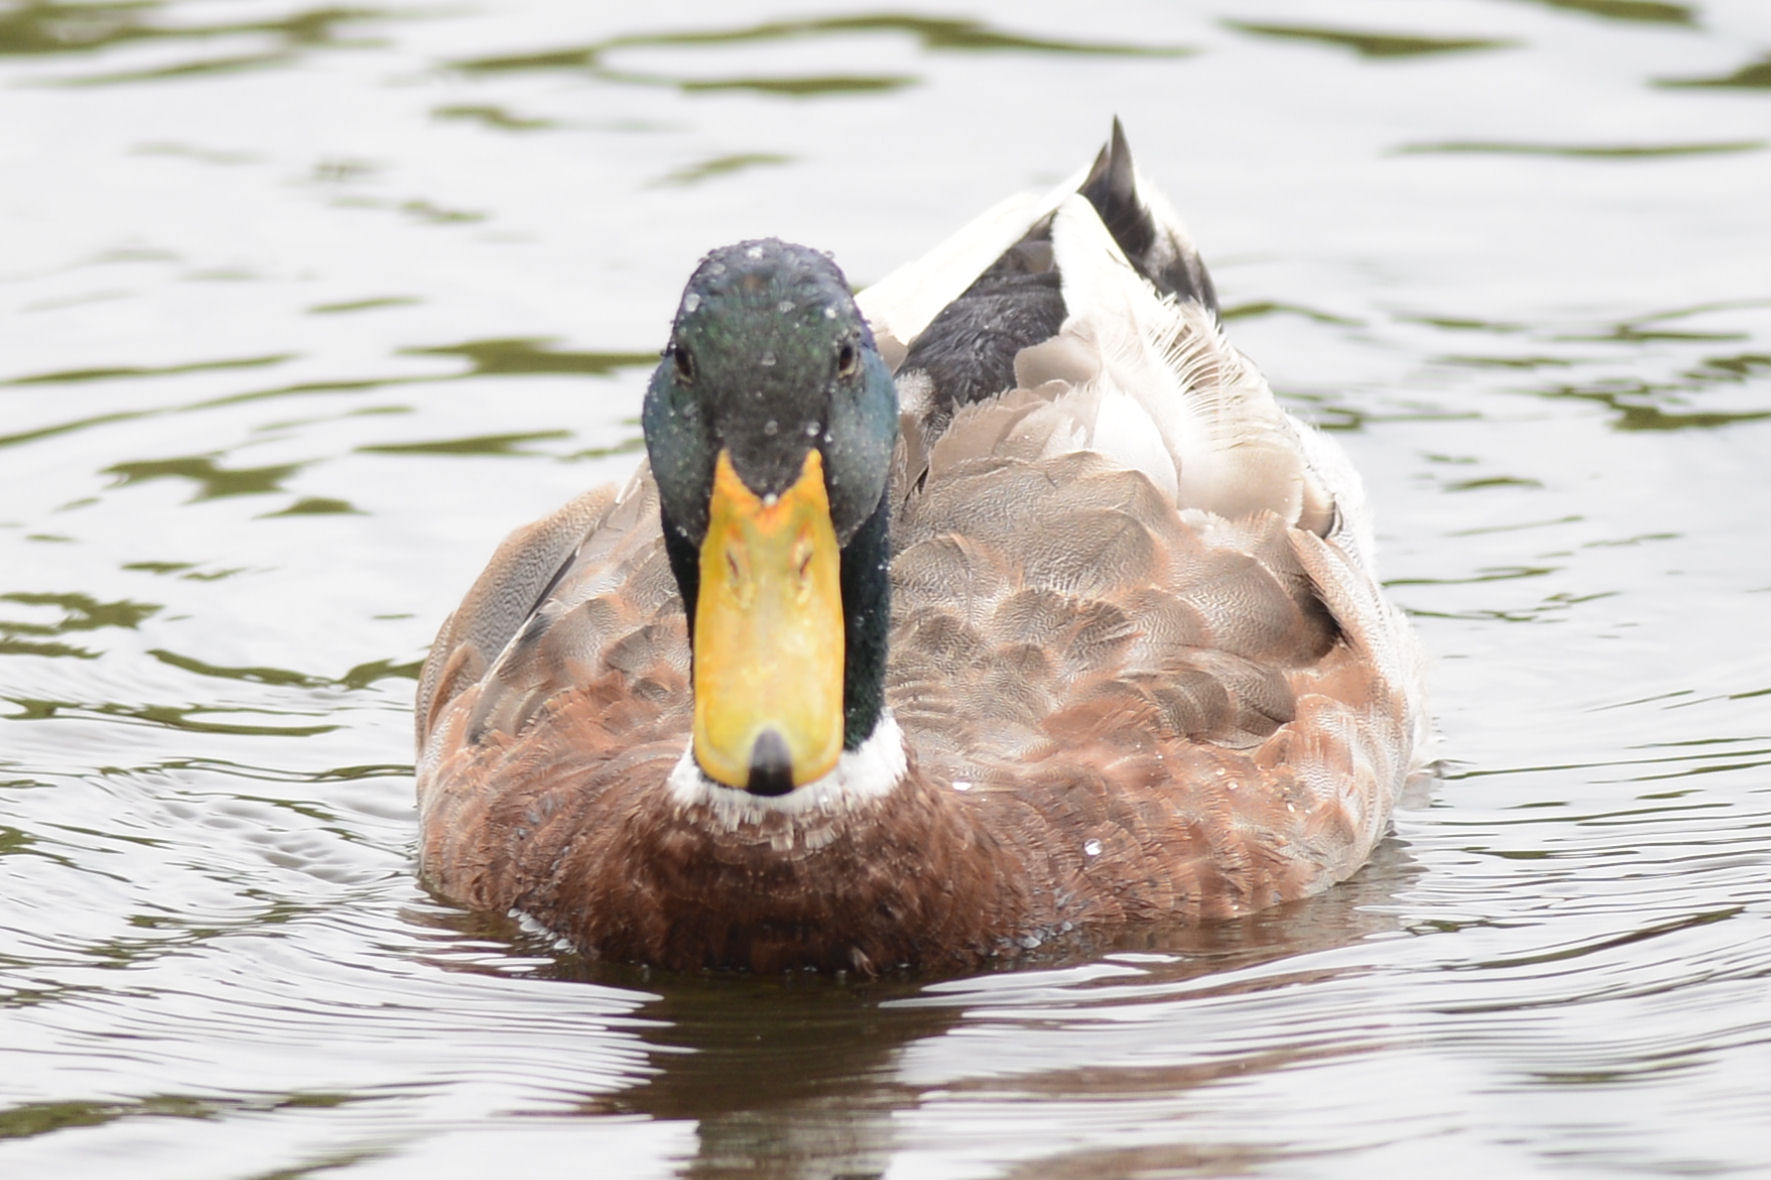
[1159,252]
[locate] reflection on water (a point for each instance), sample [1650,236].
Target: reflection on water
[1755,76]
[533,356]
[932,34]
[1651,11]
[50,28]
[1377,45]
[1591,152]
[306,307]
[815,1074]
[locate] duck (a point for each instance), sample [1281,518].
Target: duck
[996,610]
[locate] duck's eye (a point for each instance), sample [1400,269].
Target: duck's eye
[848,360]
[685,364]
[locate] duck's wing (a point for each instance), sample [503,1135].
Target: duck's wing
[1100,308]
[1119,561]
[583,594]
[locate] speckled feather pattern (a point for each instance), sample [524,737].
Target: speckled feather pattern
[1121,702]
[1111,719]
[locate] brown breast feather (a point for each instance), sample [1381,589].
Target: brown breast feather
[1152,716]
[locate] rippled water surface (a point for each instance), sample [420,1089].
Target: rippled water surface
[302,308]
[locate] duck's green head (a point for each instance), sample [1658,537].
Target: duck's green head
[770,423]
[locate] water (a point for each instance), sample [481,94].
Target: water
[301,309]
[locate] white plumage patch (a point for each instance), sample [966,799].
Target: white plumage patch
[861,776]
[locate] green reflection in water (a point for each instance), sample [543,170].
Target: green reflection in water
[1590,946]
[1632,334]
[722,166]
[1631,401]
[1268,307]
[1717,370]
[363,675]
[1639,403]
[627,446]
[71,376]
[484,444]
[256,675]
[799,87]
[530,355]
[1640,11]
[492,116]
[37,27]
[433,213]
[213,482]
[45,27]
[487,357]
[351,305]
[1755,76]
[317,506]
[1585,152]
[1463,324]
[185,151]
[936,34]
[1506,362]
[359,677]
[41,1118]
[1493,481]
[35,647]
[1481,576]
[789,86]
[186,570]
[1630,542]
[270,774]
[81,612]
[184,718]
[1371,44]
[302,389]
[237,64]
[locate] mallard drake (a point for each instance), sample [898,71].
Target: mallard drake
[997,605]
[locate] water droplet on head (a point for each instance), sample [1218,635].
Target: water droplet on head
[770,427]
[767,359]
[830,313]
[754,252]
[691,301]
[1091,848]
[716,268]
[785,306]
[811,429]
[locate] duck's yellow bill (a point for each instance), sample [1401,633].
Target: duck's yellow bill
[769,634]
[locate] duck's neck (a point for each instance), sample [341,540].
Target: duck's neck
[867,613]
[867,620]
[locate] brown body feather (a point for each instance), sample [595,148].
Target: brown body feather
[1110,717]
[1141,665]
